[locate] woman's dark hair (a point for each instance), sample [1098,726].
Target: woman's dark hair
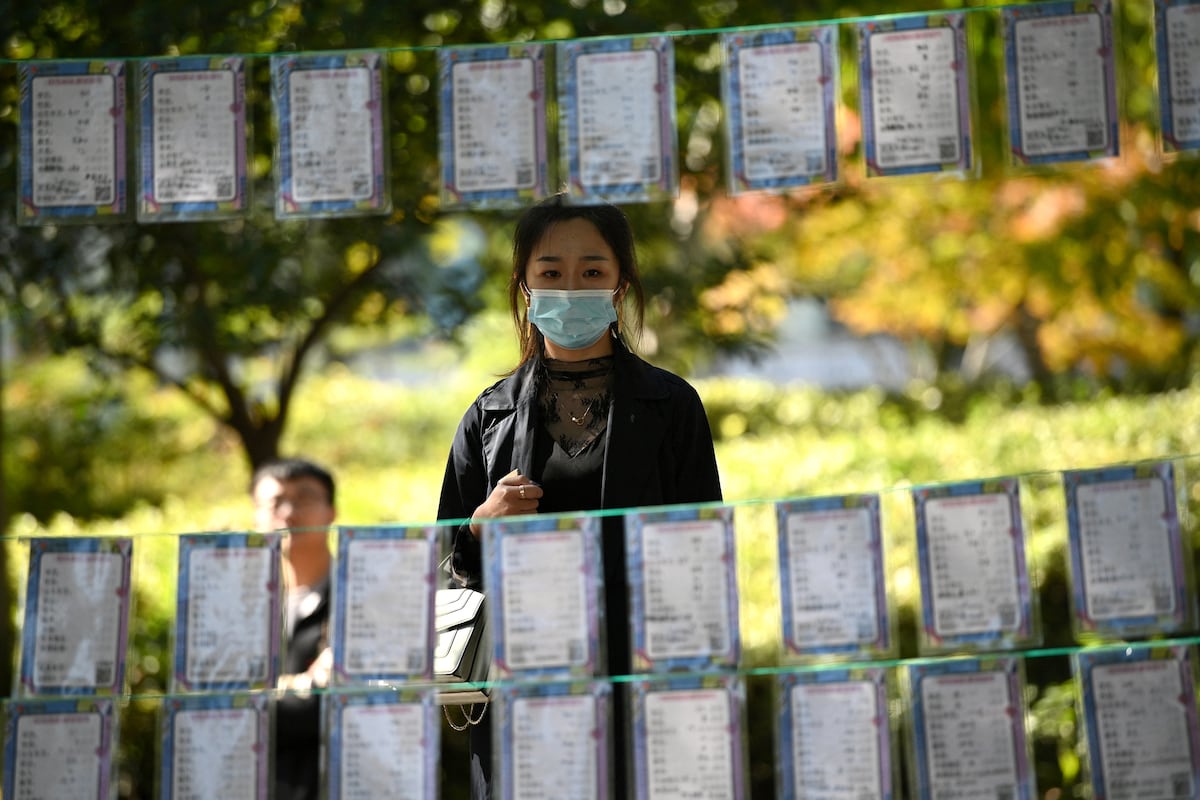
[614,228]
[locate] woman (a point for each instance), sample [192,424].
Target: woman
[581,423]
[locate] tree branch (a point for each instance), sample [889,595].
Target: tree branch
[290,374]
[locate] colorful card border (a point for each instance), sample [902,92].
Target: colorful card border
[192,543]
[494,536]
[510,197]
[282,68]
[149,209]
[1027,631]
[1127,626]
[666,187]
[882,644]
[347,536]
[635,524]
[38,547]
[28,212]
[733,44]
[956,23]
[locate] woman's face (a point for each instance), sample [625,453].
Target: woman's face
[572,255]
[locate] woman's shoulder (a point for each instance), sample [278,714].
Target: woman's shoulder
[504,393]
[654,380]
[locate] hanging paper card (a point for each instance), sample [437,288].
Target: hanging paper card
[329,113]
[916,109]
[193,139]
[492,126]
[968,730]
[975,590]
[832,589]
[1139,712]
[76,619]
[379,571]
[72,141]
[780,88]
[687,737]
[543,582]
[834,738]
[617,101]
[1128,561]
[215,745]
[1062,97]
[383,744]
[1177,46]
[683,596]
[60,748]
[227,612]
[553,735]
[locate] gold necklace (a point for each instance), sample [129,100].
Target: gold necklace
[582,419]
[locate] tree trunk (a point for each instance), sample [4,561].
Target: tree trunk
[1027,329]
[260,442]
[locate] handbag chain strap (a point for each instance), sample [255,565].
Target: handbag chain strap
[468,720]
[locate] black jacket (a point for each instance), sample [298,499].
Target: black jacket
[298,716]
[659,451]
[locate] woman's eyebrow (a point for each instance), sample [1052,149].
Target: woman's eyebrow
[587,257]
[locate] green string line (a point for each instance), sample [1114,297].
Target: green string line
[852,20]
[418,686]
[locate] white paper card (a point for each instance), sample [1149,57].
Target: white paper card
[216,754]
[915,97]
[79,618]
[229,614]
[619,118]
[333,125]
[554,746]
[783,110]
[969,743]
[1183,68]
[495,127]
[75,156]
[833,587]
[1125,546]
[686,606]
[383,575]
[59,755]
[973,574]
[835,744]
[688,749]
[1143,730]
[1061,87]
[545,603]
[195,148]
[382,752]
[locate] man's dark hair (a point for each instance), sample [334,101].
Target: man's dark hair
[289,469]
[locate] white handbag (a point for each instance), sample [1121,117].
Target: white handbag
[462,653]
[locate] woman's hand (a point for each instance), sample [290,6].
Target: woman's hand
[514,494]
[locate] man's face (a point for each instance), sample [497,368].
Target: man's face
[297,504]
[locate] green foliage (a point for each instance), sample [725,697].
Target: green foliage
[68,427]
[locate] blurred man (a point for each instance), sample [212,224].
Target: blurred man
[298,495]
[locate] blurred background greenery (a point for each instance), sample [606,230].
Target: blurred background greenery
[1048,317]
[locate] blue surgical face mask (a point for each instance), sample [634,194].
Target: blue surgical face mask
[572,318]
